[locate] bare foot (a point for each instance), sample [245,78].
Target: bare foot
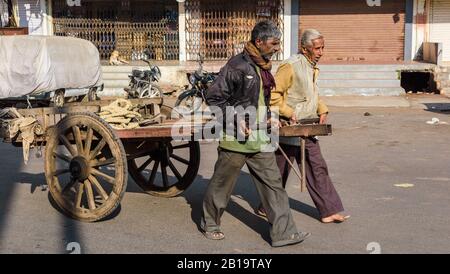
[335,218]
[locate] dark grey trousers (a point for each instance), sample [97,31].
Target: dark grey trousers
[266,176]
[318,181]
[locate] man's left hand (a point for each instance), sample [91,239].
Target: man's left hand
[323,118]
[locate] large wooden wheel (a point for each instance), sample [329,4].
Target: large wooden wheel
[85,167]
[167,169]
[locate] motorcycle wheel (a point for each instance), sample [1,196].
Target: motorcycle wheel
[188,102]
[153,92]
[59,98]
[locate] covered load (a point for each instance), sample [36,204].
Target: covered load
[31,65]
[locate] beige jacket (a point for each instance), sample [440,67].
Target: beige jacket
[296,89]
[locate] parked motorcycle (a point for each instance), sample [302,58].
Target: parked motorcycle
[142,82]
[192,99]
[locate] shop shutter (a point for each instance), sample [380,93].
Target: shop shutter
[354,31]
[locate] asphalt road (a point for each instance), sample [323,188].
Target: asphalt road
[367,156]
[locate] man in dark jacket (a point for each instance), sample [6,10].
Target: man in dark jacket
[245,82]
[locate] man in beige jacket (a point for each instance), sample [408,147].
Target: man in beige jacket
[296,96]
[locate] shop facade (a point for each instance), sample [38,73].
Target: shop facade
[171,30]
[367,31]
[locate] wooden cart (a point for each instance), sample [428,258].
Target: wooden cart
[87,162]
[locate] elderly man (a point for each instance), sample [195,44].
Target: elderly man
[297,97]
[245,82]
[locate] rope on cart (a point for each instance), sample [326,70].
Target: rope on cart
[121,114]
[18,124]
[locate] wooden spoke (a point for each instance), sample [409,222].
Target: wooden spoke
[63,157]
[69,185]
[60,171]
[154,170]
[67,144]
[95,163]
[97,149]
[88,141]
[175,171]
[77,137]
[55,183]
[164,176]
[137,155]
[145,164]
[179,159]
[90,194]
[98,187]
[108,178]
[181,146]
[80,191]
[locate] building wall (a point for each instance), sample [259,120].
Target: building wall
[294,27]
[420,30]
[431,23]
[439,23]
[409,27]
[287,21]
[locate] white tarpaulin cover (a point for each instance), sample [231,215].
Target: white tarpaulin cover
[36,64]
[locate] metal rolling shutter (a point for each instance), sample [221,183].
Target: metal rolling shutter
[440,25]
[356,32]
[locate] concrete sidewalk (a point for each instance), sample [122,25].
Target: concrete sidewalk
[417,101]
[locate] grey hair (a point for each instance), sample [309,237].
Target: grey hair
[265,30]
[309,35]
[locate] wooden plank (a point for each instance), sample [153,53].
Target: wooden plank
[305,130]
[152,132]
[54,110]
[188,129]
[105,102]
[165,130]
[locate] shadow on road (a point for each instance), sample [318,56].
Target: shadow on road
[7,185]
[443,108]
[246,191]
[70,229]
[12,160]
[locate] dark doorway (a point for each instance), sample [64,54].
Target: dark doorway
[418,82]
